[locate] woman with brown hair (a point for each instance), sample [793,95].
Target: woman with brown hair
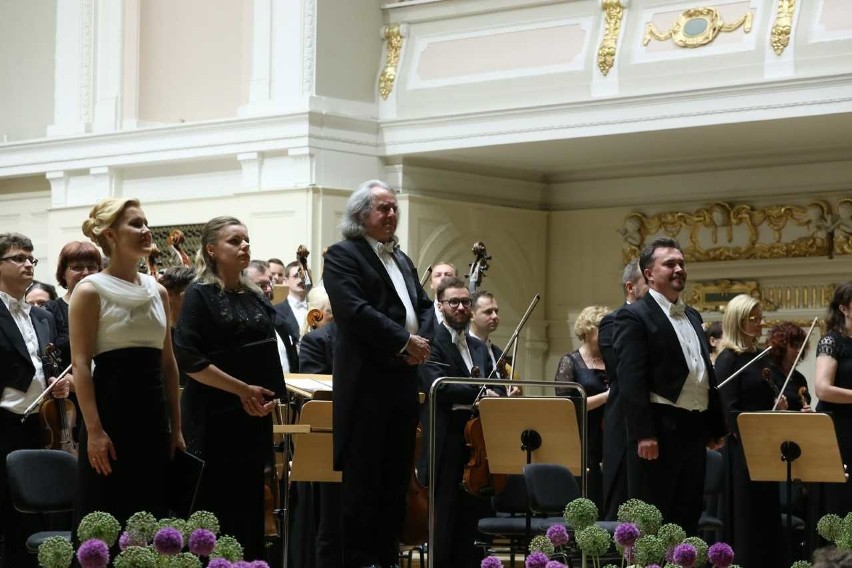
[227,421]
[130,402]
[786,339]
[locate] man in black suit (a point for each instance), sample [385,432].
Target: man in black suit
[25,332]
[294,308]
[454,354]
[440,271]
[316,354]
[614,428]
[379,306]
[258,272]
[669,390]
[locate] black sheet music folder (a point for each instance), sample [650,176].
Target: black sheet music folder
[183,480]
[254,363]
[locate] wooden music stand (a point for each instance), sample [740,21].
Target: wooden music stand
[279,293]
[791,446]
[310,386]
[509,423]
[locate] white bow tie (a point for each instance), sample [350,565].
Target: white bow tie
[677,310]
[388,247]
[300,304]
[19,306]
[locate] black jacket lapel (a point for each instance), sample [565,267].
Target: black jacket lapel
[373,259]
[661,321]
[10,328]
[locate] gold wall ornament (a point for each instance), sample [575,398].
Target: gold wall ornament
[714,296]
[613,13]
[721,231]
[393,40]
[696,27]
[783,26]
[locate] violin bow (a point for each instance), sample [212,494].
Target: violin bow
[796,362]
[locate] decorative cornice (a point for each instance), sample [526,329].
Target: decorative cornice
[87,59]
[783,26]
[393,42]
[613,13]
[682,36]
[309,9]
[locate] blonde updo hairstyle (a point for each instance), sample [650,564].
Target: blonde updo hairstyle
[733,323]
[205,265]
[103,216]
[589,319]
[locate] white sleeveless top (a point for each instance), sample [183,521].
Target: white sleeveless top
[132,315]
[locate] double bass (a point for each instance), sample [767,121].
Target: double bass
[477,478]
[304,272]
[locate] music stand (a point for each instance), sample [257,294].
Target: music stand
[520,431]
[788,446]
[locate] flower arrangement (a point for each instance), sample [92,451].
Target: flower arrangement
[147,543]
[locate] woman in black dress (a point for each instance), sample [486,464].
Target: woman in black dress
[227,421]
[833,385]
[586,366]
[130,402]
[754,513]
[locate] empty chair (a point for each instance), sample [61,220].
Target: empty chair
[42,482]
[509,522]
[710,525]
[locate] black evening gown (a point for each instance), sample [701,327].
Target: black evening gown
[235,446]
[753,524]
[573,368]
[838,496]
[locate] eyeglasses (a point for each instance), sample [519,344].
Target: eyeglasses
[21,259]
[83,268]
[455,302]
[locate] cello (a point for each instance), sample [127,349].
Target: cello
[304,273]
[477,478]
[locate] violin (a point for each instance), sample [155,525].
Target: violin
[151,260]
[176,240]
[804,396]
[314,317]
[415,528]
[57,416]
[304,272]
[478,479]
[767,376]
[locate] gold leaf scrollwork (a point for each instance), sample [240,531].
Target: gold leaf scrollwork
[721,231]
[613,13]
[393,39]
[696,27]
[783,26]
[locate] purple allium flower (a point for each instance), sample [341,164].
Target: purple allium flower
[201,542]
[721,555]
[685,555]
[558,535]
[536,560]
[94,553]
[626,534]
[130,538]
[168,541]
[652,566]
[241,564]
[554,564]
[259,564]
[219,563]
[491,562]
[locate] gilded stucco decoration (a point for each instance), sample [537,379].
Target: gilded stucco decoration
[783,26]
[696,27]
[714,296]
[613,14]
[722,231]
[393,42]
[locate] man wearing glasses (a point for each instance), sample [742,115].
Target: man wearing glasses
[455,354]
[25,332]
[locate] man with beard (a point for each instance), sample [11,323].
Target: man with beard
[615,433]
[379,306]
[455,354]
[440,271]
[669,390]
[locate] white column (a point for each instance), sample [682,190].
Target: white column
[283,56]
[74,67]
[109,52]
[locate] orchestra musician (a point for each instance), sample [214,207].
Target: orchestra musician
[258,272]
[294,309]
[440,271]
[586,366]
[25,332]
[379,307]
[276,271]
[316,354]
[40,294]
[786,339]
[455,354]
[754,510]
[118,320]
[614,428]
[668,387]
[175,280]
[227,421]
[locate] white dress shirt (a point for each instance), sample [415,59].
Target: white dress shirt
[14,400]
[300,309]
[411,323]
[694,395]
[488,344]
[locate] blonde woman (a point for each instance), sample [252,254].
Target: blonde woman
[129,404]
[586,366]
[754,510]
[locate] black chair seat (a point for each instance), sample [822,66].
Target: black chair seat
[35,540]
[796,522]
